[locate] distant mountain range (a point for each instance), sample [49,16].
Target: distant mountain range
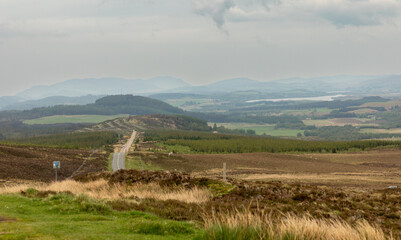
[103,86]
[343,83]
[84,91]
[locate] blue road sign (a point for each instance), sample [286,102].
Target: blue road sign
[56,164]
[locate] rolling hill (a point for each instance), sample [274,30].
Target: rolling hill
[110,105]
[50,101]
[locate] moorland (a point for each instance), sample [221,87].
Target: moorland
[295,169]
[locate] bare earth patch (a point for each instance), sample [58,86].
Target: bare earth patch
[6,219]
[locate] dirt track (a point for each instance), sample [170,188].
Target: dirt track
[35,163]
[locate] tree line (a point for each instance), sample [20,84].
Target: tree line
[204,142]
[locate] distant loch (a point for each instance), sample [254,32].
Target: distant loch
[321,98]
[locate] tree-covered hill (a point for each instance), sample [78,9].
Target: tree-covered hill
[110,105]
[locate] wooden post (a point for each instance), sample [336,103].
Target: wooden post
[224,172]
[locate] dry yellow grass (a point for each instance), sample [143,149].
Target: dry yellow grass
[100,189]
[304,227]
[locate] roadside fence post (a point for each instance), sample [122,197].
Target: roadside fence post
[224,172]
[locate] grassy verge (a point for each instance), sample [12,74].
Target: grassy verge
[64,216]
[174,148]
[109,164]
[135,162]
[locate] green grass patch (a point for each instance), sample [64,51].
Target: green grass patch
[267,129]
[135,162]
[110,162]
[219,189]
[64,216]
[235,233]
[174,148]
[73,119]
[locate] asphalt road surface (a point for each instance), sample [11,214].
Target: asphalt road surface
[119,157]
[118,161]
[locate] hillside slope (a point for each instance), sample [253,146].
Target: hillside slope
[153,121]
[51,101]
[110,105]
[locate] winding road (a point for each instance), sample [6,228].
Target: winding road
[119,157]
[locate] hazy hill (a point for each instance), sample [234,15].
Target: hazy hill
[352,85]
[389,84]
[7,100]
[165,96]
[51,101]
[103,86]
[110,105]
[344,83]
[235,84]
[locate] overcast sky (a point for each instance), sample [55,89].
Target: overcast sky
[200,41]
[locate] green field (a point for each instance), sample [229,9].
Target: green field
[338,122]
[64,216]
[184,101]
[308,111]
[378,130]
[267,129]
[73,119]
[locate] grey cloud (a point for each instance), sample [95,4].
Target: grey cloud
[267,3]
[340,13]
[359,13]
[216,9]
